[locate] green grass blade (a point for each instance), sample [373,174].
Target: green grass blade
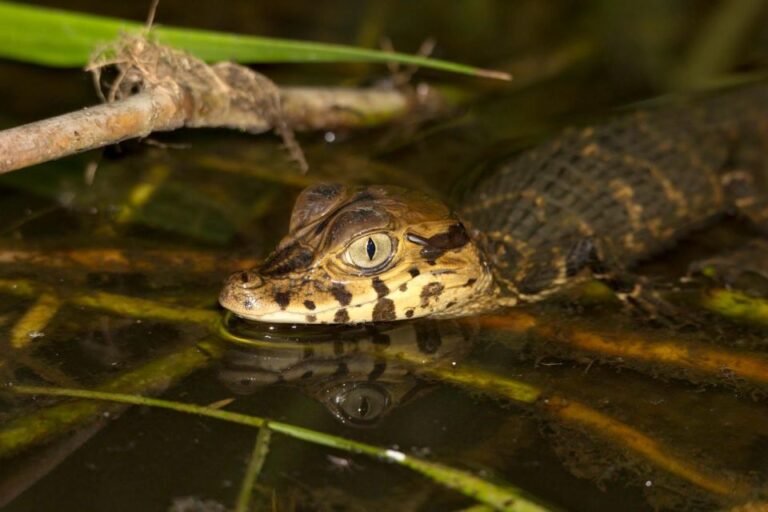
[258,456]
[55,37]
[503,497]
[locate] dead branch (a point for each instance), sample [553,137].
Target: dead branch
[161,89]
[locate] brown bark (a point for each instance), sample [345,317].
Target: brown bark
[160,89]
[93,127]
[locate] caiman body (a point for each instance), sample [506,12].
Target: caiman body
[621,191]
[589,202]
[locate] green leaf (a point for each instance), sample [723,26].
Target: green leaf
[54,37]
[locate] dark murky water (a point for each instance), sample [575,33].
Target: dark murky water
[674,420]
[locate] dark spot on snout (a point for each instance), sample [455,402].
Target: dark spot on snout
[414,272]
[430,291]
[283,299]
[403,287]
[309,305]
[341,316]
[384,311]
[437,245]
[381,289]
[409,313]
[341,294]
[470,282]
[311,319]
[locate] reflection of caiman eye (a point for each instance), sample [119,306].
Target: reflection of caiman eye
[364,403]
[370,251]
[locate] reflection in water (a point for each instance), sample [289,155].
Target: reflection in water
[360,373]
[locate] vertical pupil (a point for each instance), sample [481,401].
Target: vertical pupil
[363,408]
[370,248]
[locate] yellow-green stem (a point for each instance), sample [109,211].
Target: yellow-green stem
[500,497]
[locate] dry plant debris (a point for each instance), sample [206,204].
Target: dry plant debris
[221,95]
[157,88]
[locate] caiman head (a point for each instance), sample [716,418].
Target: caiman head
[364,254]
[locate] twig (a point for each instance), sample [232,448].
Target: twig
[93,127]
[178,90]
[305,108]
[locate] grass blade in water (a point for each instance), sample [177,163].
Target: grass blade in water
[500,497]
[259,455]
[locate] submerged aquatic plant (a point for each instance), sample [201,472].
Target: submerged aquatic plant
[502,497]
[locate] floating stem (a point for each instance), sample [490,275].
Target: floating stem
[258,457]
[501,497]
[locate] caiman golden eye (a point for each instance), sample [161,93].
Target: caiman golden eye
[370,251]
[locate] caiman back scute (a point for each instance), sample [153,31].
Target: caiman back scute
[633,185]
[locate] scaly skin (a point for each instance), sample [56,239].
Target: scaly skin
[431,269]
[589,202]
[603,197]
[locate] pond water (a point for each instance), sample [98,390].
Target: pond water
[111,263]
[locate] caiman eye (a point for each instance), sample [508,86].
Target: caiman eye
[370,251]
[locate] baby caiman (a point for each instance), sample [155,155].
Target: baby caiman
[589,202]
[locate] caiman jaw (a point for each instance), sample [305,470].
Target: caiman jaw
[364,254]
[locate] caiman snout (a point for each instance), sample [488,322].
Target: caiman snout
[239,291]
